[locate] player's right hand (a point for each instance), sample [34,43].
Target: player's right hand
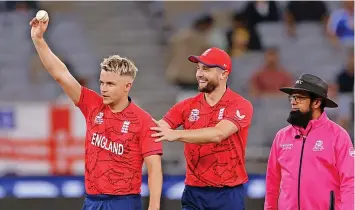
[38,28]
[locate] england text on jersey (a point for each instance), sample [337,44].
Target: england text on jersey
[107,144]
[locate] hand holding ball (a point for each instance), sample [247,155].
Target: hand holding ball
[39,24]
[42,16]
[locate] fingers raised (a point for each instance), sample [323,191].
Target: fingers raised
[33,21]
[159,140]
[156,129]
[157,135]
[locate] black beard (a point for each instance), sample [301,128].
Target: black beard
[208,88]
[299,118]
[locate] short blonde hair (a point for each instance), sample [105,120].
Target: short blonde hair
[122,66]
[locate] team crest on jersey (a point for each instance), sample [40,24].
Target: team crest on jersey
[99,118]
[194,115]
[318,146]
[125,126]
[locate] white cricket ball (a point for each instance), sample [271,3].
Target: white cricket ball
[42,16]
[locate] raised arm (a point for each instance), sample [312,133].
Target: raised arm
[52,63]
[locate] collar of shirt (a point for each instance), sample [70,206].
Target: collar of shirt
[314,124]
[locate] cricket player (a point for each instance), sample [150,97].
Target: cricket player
[313,157]
[216,124]
[118,137]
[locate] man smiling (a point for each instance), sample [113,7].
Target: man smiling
[216,124]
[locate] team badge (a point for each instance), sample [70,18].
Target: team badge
[194,115]
[99,118]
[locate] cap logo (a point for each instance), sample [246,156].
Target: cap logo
[299,82]
[206,52]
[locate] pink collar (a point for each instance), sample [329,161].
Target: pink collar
[314,123]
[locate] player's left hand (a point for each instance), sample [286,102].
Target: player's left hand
[164,133]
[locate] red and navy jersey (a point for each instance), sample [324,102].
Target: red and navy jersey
[115,146]
[214,164]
